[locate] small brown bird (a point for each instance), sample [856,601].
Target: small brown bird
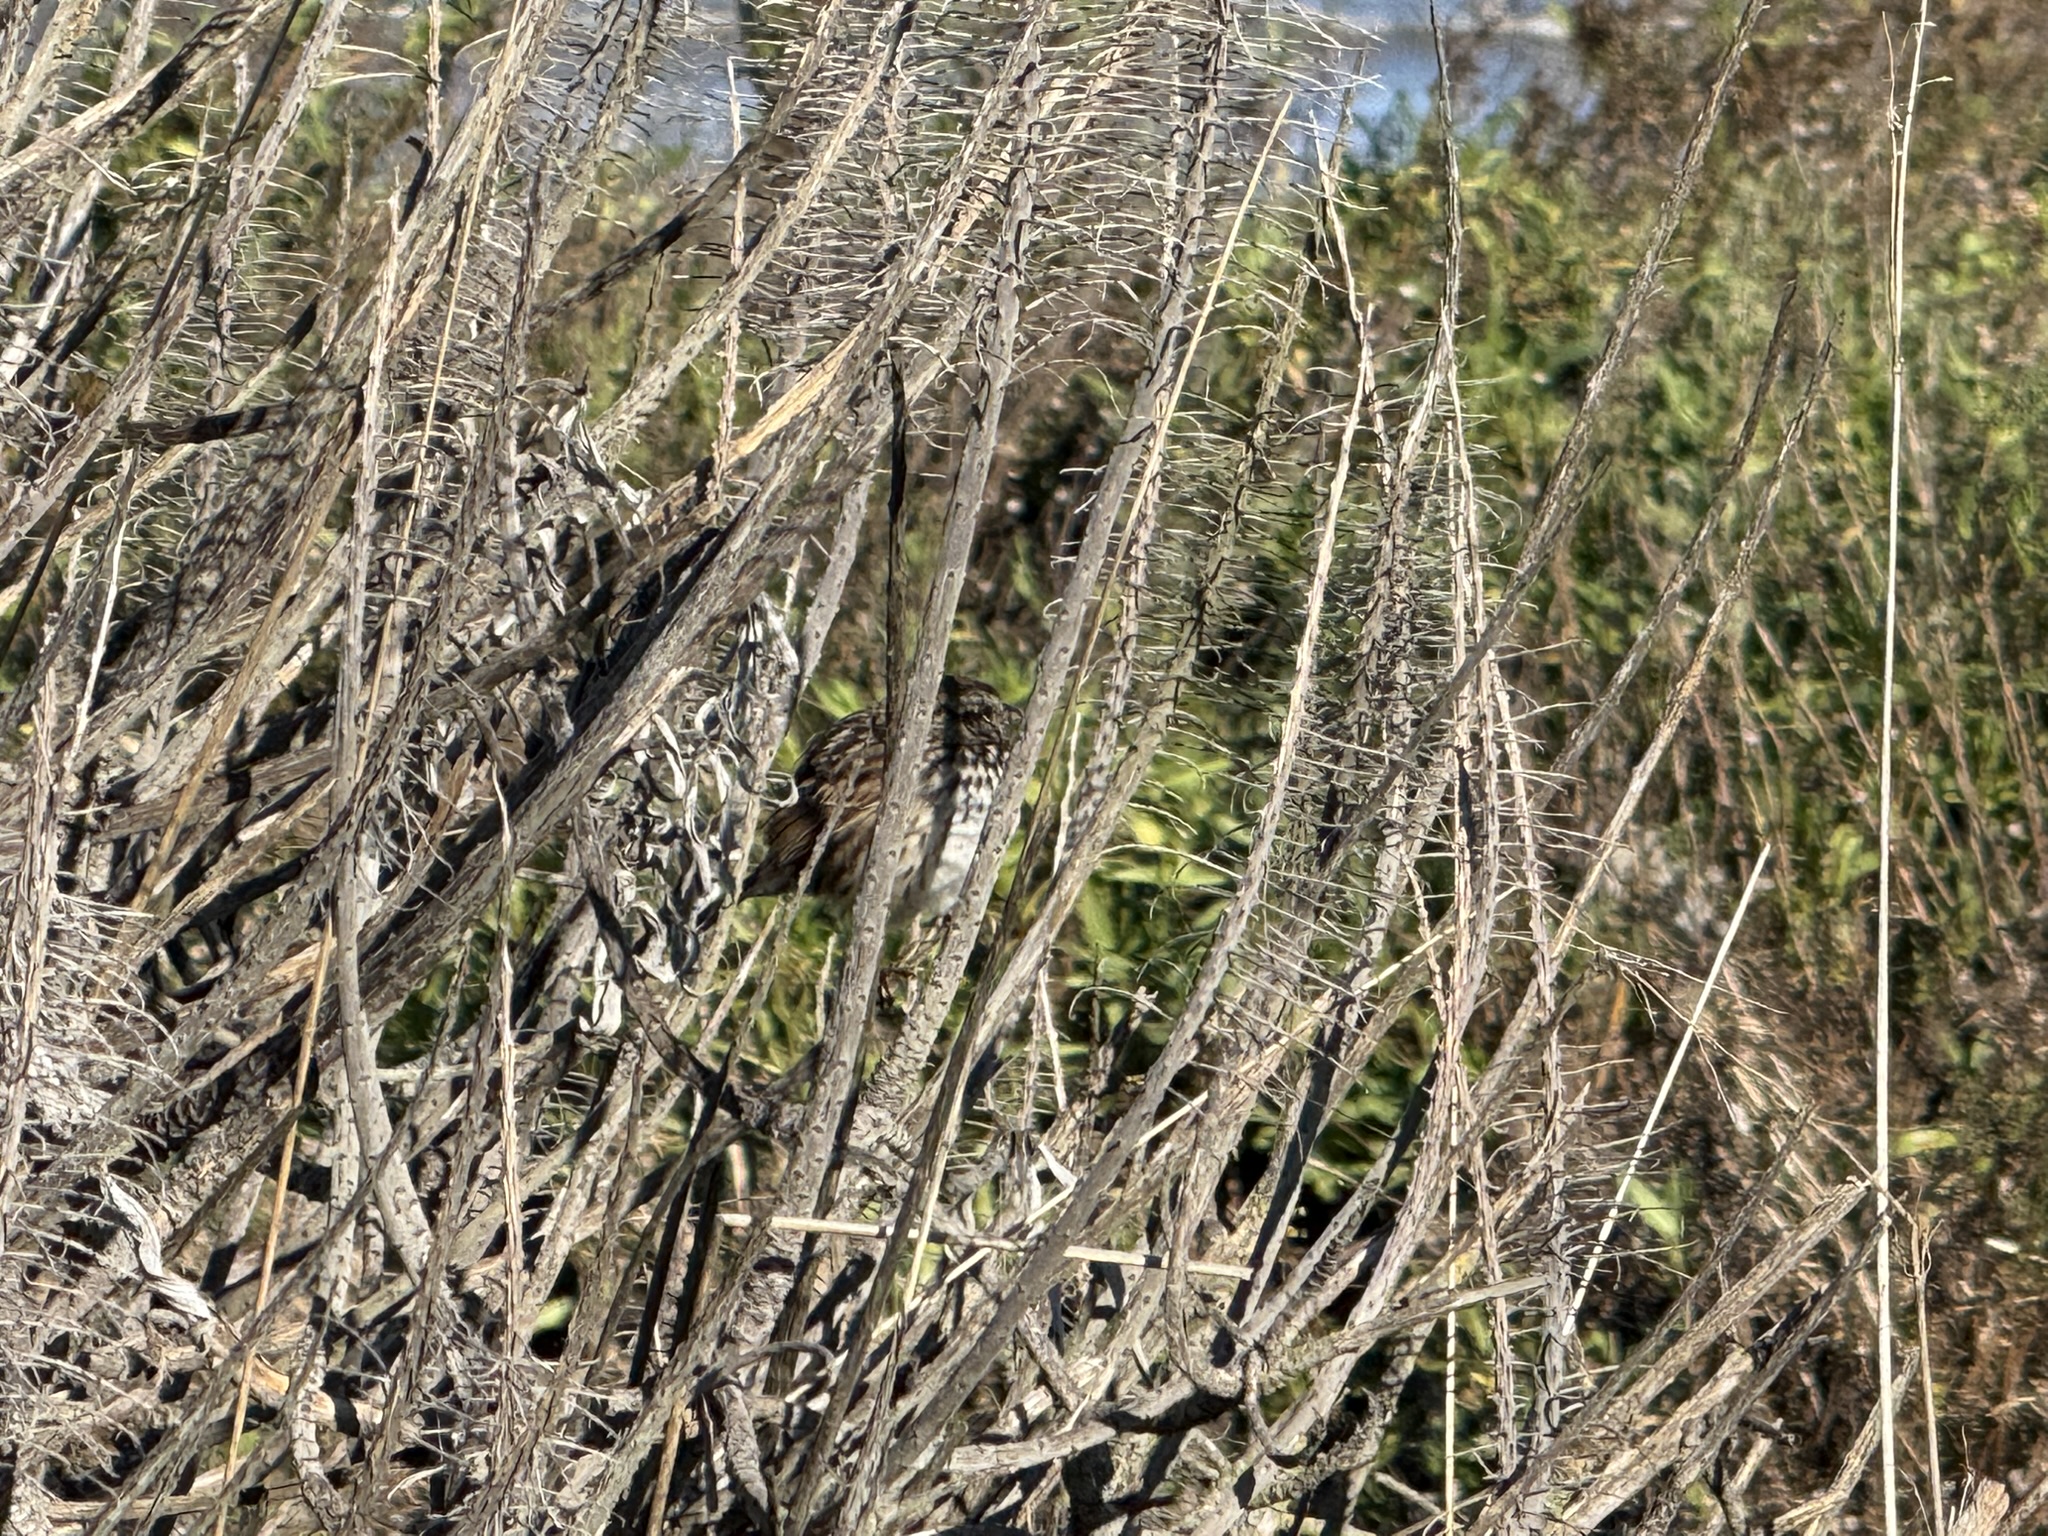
[817,842]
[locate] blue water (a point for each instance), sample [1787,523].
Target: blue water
[1500,52]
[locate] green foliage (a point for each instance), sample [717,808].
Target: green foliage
[1778,746]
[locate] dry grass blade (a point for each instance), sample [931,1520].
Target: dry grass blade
[465,467]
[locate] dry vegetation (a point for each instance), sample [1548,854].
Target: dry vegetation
[448,453]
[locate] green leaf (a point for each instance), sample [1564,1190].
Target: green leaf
[1923,1140]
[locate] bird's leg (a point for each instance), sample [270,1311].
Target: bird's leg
[903,985]
[913,940]
[904,976]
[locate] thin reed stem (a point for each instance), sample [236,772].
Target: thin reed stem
[1881,1173]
